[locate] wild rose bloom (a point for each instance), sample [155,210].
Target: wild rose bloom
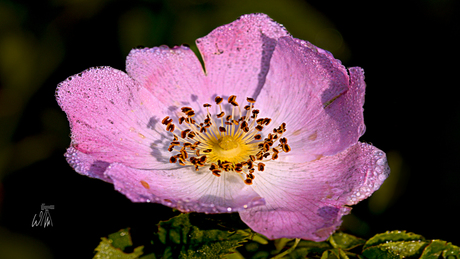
[268,128]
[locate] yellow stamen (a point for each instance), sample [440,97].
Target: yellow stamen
[236,145]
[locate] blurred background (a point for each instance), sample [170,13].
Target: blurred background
[408,50]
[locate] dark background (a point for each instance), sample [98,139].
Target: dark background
[408,50]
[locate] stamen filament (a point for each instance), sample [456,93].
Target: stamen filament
[236,145]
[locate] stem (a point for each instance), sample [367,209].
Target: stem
[297,240]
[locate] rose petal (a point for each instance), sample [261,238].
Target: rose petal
[311,92]
[87,164]
[174,75]
[184,189]
[307,200]
[113,119]
[237,55]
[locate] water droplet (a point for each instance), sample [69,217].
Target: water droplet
[362,129]
[378,153]
[381,161]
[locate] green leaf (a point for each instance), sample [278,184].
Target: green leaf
[301,252]
[392,236]
[345,241]
[105,249]
[258,238]
[236,255]
[451,251]
[398,249]
[306,248]
[148,256]
[281,243]
[377,252]
[434,249]
[210,250]
[121,239]
[335,253]
[314,247]
[253,236]
[113,246]
[183,240]
[439,247]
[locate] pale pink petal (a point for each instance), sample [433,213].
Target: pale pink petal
[237,55]
[87,164]
[312,93]
[113,119]
[174,75]
[307,200]
[184,189]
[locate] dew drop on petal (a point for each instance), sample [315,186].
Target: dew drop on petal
[381,161]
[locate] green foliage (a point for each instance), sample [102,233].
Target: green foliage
[335,253]
[176,238]
[121,239]
[179,238]
[399,244]
[393,236]
[184,240]
[345,241]
[113,246]
[389,245]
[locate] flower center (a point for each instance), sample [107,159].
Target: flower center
[232,149]
[236,145]
[228,143]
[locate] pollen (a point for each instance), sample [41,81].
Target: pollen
[145,184]
[226,141]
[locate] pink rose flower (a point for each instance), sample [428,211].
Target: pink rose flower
[268,128]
